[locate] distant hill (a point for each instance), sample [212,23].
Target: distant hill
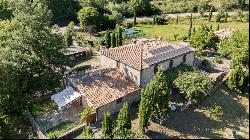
[182,6]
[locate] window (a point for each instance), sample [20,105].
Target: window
[119,100]
[184,58]
[155,69]
[171,63]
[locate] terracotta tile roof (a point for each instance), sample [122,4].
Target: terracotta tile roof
[144,53]
[224,33]
[103,86]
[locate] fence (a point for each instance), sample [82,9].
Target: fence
[197,62]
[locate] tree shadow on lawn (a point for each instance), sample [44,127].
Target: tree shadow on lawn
[79,60]
[157,135]
[193,121]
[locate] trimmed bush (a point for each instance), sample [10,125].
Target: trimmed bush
[81,68]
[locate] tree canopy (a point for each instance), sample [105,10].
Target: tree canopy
[88,16]
[239,79]
[63,11]
[204,38]
[30,56]
[236,48]
[194,84]
[5,10]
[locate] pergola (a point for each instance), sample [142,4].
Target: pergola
[65,97]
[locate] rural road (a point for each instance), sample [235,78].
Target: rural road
[173,15]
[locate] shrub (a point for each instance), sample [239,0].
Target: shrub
[247,17]
[128,25]
[107,126]
[81,68]
[160,20]
[238,79]
[87,133]
[194,84]
[236,47]
[204,39]
[206,65]
[88,16]
[218,60]
[215,111]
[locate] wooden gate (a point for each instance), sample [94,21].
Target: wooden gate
[91,118]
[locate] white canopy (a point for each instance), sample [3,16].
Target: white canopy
[65,97]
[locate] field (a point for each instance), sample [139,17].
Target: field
[196,123]
[181,28]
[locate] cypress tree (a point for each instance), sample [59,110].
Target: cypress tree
[190,26]
[211,27]
[134,18]
[191,20]
[153,19]
[145,108]
[108,39]
[69,34]
[87,133]
[177,19]
[124,120]
[107,126]
[210,14]
[154,100]
[160,85]
[116,40]
[113,40]
[119,36]
[218,27]
[226,16]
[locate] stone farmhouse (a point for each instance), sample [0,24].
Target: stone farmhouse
[224,33]
[124,71]
[139,61]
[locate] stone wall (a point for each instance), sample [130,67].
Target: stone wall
[35,127]
[55,117]
[143,77]
[190,58]
[197,62]
[130,72]
[114,107]
[107,62]
[148,74]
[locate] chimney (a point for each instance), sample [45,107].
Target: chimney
[102,48]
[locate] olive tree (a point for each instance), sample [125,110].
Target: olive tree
[194,84]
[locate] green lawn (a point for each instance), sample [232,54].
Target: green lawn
[181,28]
[196,123]
[40,108]
[60,129]
[86,61]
